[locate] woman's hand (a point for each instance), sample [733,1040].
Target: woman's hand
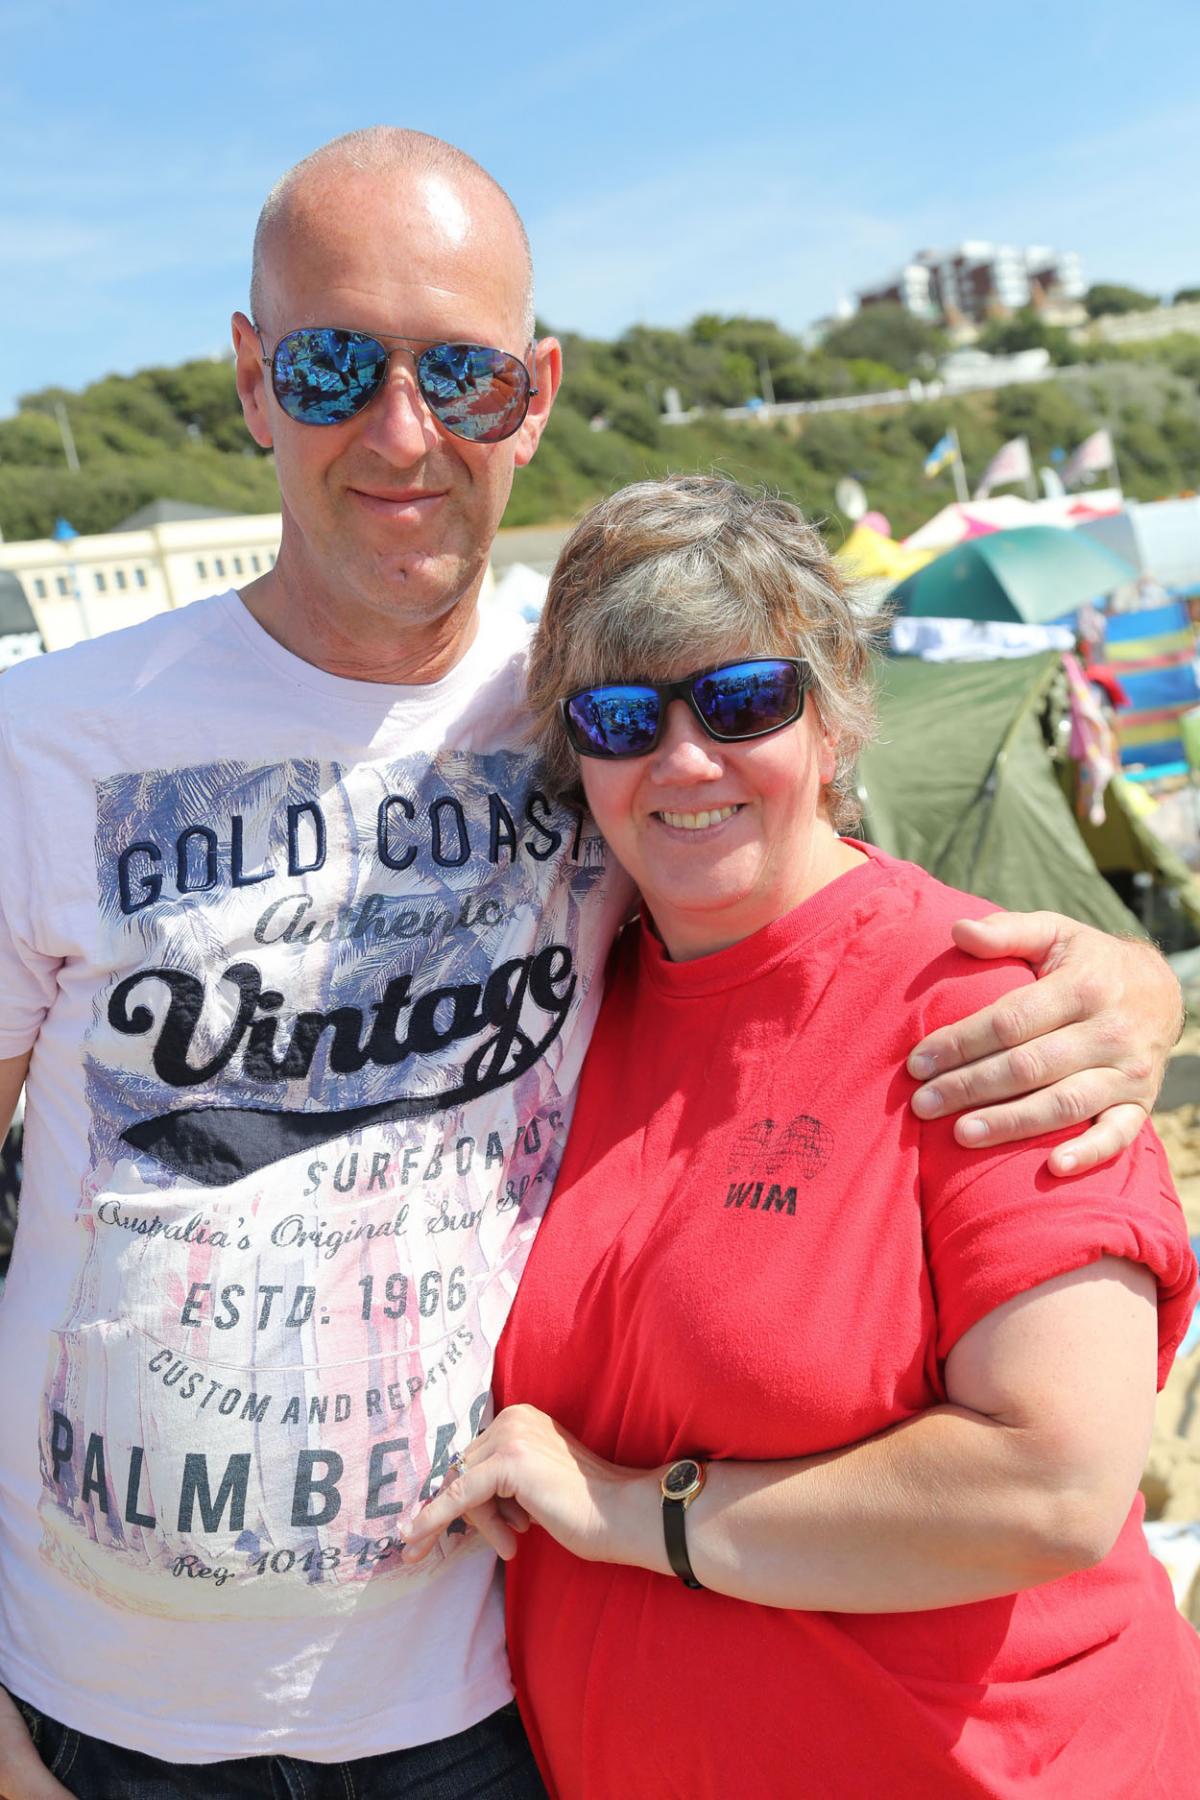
[23,1775]
[522,1468]
[1024,1475]
[1088,1040]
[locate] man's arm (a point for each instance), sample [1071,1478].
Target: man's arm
[13,1070]
[23,1775]
[1088,1040]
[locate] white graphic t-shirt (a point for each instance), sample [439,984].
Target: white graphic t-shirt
[311,965]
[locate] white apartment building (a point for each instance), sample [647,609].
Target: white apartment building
[84,586]
[978,280]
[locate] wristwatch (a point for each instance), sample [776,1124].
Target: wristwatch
[680,1485]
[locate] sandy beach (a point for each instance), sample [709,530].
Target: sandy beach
[1171,1483]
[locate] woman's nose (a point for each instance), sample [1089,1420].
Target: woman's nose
[685,752]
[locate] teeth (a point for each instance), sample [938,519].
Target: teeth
[697,821]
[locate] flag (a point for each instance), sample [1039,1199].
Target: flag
[944,452]
[64,531]
[1095,453]
[1010,463]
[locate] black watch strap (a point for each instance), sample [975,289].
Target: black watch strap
[680,1485]
[675,1533]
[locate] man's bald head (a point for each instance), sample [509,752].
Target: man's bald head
[385,150]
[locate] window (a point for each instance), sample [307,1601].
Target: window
[39,588]
[237,565]
[218,565]
[201,568]
[271,557]
[62,584]
[101,582]
[255,563]
[120,578]
[139,577]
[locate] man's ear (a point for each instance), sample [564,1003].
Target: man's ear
[251,380]
[548,368]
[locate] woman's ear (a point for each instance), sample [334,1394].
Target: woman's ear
[827,743]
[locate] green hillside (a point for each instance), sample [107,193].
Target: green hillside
[179,431]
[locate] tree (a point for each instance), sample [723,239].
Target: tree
[31,440]
[203,396]
[887,334]
[1111,297]
[178,431]
[1186,294]
[1027,330]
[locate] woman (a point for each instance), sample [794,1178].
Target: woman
[830,1429]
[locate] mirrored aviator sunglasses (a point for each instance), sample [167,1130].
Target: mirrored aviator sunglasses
[733,702]
[324,376]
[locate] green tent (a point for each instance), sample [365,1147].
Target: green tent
[1035,573]
[964,780]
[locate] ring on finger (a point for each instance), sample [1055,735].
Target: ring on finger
[456,1465]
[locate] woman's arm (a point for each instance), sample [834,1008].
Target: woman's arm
[1089,1040]
[1026,1475]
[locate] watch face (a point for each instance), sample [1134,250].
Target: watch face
[681,1478]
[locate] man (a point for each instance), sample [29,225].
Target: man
[301,961]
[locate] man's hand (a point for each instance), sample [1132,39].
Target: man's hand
[1088,1040]
[23,1775]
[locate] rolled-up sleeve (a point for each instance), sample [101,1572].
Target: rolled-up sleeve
[998,1224]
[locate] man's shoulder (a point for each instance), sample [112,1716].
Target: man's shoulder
[108,668]
[487,689]
[501,651]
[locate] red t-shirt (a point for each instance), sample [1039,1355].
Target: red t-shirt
[755,1250]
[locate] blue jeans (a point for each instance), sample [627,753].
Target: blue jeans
[491,1761]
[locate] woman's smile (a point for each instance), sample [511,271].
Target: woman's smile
[713,868]
[696,821]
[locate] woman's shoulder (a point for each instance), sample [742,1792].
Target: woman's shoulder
[908,923]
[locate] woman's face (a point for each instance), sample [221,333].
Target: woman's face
[720,838]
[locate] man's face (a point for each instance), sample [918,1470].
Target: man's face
[388,514]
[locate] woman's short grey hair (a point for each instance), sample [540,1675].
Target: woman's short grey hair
[668,576]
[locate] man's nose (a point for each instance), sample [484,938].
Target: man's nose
[685,752]
[397,424]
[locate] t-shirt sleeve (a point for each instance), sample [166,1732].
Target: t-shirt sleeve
[28,977]
[998,1224]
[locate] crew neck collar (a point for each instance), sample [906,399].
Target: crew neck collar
[774,943]
[484,651]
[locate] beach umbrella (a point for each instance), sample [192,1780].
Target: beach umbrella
[867,555]
[1035,573]
[1160,537]
[957,521]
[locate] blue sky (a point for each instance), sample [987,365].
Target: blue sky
[668,159]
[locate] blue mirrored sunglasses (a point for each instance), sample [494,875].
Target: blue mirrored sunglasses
[732,702]
[322,375]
